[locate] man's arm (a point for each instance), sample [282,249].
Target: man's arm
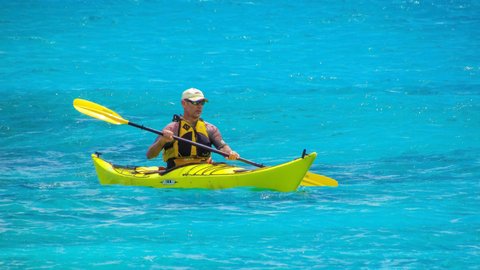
[160,142]
[219,143]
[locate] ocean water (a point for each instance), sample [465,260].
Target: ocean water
[386,92]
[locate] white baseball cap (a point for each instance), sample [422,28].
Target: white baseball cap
[193,94]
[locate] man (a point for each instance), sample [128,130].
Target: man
[189,126]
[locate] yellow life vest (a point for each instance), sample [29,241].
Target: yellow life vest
[182,150]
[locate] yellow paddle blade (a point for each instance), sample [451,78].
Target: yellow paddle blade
[98,111]
[312,179]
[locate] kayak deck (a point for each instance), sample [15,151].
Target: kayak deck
[284,177]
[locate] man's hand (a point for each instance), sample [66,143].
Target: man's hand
[167,136]
[233,155]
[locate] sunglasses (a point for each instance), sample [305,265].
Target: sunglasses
[200,102]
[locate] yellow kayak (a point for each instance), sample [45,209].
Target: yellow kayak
[284,177]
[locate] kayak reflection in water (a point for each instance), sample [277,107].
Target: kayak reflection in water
[191,127]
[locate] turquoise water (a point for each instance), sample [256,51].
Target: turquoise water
[387,94]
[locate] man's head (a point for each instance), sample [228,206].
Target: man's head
[192,102]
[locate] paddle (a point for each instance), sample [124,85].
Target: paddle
[102,113]
[312,180]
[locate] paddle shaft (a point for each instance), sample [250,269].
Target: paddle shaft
[195,144]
